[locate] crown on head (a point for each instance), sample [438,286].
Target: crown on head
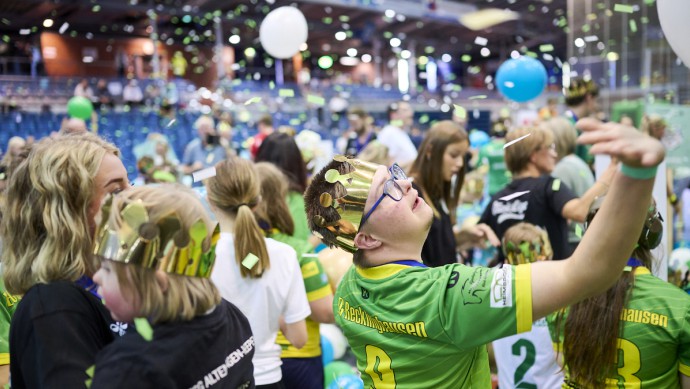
[348,198]
[580,88]
[164,245]
[528,251]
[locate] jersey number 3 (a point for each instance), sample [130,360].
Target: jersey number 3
[628,363]
[379,368]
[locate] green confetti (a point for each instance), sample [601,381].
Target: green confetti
[87,383]
[397,123]
[477,97]
[317,100]
[90,371]
[250,261]
[633,26]
[424,119]
[578,230]
[623,8]
[253,100]
[286,93]
[556,185]
[460,111]
[295,122]
[546,48]
[144,328]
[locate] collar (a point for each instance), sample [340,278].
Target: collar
[387,270]
[87,284]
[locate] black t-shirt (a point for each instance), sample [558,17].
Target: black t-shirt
[56,332]
[439,247]
[541,205]
[354,146]
[213,350]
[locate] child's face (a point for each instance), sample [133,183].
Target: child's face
[119,305]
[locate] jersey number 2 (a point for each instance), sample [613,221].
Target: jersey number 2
[527,363]
[379,368]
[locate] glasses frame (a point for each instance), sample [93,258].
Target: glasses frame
[396,173]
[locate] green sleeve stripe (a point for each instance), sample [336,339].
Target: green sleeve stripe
[684,369]
[523,297]
[4,359]
[319,293]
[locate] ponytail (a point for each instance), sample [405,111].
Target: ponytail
[249,239]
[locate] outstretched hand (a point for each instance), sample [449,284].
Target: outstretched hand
[630,146]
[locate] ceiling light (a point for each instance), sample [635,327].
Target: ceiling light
[234,39]
[395,42]
[366,58]
[352,52]
[340,35]
[48,23]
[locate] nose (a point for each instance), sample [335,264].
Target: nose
[405,185]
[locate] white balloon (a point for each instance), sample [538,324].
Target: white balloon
[673,16]
[334,335]
[283,31]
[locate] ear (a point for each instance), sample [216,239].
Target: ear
[162,280]
[365,241]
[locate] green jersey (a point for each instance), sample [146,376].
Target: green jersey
[654,343]
[411,326]
[7,307]
[317,287]
[492,156]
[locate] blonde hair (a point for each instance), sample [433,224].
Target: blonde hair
[15,141]
[652,122]
[45,227]
[185,297]
[234,191]
[273,207]
[564,135]
[203,121]
[517,155]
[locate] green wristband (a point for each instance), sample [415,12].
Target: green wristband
[639,173]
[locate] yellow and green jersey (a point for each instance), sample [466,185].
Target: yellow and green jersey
[316,285]
[7,307]
[411,326]
[654,343]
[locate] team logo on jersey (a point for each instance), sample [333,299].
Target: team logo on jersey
[365,293]
[510,210]
[119,327]
[502,288]
[474,287]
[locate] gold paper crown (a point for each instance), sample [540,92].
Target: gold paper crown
[348,197]
[580,88]
[163,245]
[527,251]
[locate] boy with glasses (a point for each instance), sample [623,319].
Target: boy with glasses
[416,327]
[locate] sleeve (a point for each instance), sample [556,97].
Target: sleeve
[299,215]
[187,155]
[486,215]
[63,346]
[558,194]
[129,374]
[684,346]
[482,304]
[297,306]
[315,279]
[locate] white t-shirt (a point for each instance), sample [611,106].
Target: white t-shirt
[400,146]
[280,291]
[528,357]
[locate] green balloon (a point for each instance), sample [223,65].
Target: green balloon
[79,107]
[336,369]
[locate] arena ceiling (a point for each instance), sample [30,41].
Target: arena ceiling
[537,25]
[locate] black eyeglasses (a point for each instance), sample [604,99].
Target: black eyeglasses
[390,189]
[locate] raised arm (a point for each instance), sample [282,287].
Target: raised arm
[604,250]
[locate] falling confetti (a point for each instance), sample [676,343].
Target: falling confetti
[204,174]
[63,28]
[253,100]
[286,93]
[170,123]
[144,328]
[512,142]
[250,261]
[623,8]
[317,100]
[477,97]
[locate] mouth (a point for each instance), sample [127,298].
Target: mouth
[416,203]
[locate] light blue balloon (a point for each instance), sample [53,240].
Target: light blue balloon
[326,351]
[521,79]
[478,139]
[350,381]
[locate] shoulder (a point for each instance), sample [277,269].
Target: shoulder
[57,296]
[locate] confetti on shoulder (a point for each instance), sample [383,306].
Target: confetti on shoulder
[144,328]
[204,174]
[253,100]
[512,142]
[513,196]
